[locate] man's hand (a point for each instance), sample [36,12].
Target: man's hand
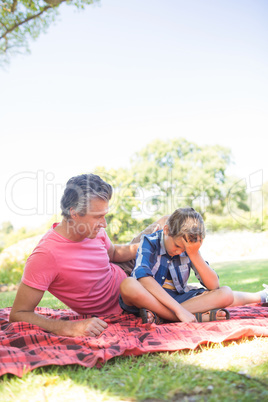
[28,298]
[160,223]
[90,327]
[156,228]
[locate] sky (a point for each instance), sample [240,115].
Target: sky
[104,82]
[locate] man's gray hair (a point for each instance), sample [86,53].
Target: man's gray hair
[80,190]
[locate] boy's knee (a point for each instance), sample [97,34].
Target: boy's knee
[226,294]
[130,290]
[127,285]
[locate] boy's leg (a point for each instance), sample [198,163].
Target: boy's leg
[242,298]
[134,294]
[218,298]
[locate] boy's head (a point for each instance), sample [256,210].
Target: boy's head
[184,223]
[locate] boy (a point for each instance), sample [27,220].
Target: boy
[158,282]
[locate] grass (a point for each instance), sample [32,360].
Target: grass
[230,371]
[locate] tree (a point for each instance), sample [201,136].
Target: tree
[265,205]
[21,20]
[178,173]
[7,227]
[123,217]
[167,175]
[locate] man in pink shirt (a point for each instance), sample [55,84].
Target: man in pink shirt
[76,262]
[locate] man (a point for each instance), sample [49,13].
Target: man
[77,263]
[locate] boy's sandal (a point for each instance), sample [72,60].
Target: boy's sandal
[198,316]
[212,315]
[155,319]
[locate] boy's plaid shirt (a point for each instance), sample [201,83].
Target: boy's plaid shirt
[153,260]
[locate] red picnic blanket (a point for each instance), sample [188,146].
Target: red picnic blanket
[24,347]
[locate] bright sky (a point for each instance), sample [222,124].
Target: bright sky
[104,82]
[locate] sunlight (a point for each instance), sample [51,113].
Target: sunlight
[249,280]
[54,388]
[243,355]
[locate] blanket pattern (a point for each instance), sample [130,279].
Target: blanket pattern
[24,347]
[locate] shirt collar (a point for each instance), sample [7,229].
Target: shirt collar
[162,244]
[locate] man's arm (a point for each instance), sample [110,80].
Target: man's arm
[126,252]
[27,299]
[122,253]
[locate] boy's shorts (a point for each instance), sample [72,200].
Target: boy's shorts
[179,297]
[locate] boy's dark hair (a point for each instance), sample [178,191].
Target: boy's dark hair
[80,190]
[186,221]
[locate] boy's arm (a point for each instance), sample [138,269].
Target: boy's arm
[28,298]
[208,275]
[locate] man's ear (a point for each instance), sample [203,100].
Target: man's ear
[73,213]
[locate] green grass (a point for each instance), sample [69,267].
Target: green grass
[245,276]
[48,300]
[231,371]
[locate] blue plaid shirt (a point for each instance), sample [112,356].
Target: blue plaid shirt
[153,260]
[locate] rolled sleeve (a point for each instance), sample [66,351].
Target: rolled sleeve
[145,260]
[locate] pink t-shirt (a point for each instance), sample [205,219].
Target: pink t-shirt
[77,273]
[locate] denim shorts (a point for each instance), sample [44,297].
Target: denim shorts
[179,297]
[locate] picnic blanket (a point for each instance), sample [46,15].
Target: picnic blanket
[24,347]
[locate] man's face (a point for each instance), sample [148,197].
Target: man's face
[90,224]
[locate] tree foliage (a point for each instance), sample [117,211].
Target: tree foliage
[179,173]
[166,175]
[122,221]
[22,20]
[7,227]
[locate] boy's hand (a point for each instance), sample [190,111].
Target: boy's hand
[192,247]
[185,315]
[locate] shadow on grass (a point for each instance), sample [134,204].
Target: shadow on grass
[157,377]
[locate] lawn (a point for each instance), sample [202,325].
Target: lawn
[233,371]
